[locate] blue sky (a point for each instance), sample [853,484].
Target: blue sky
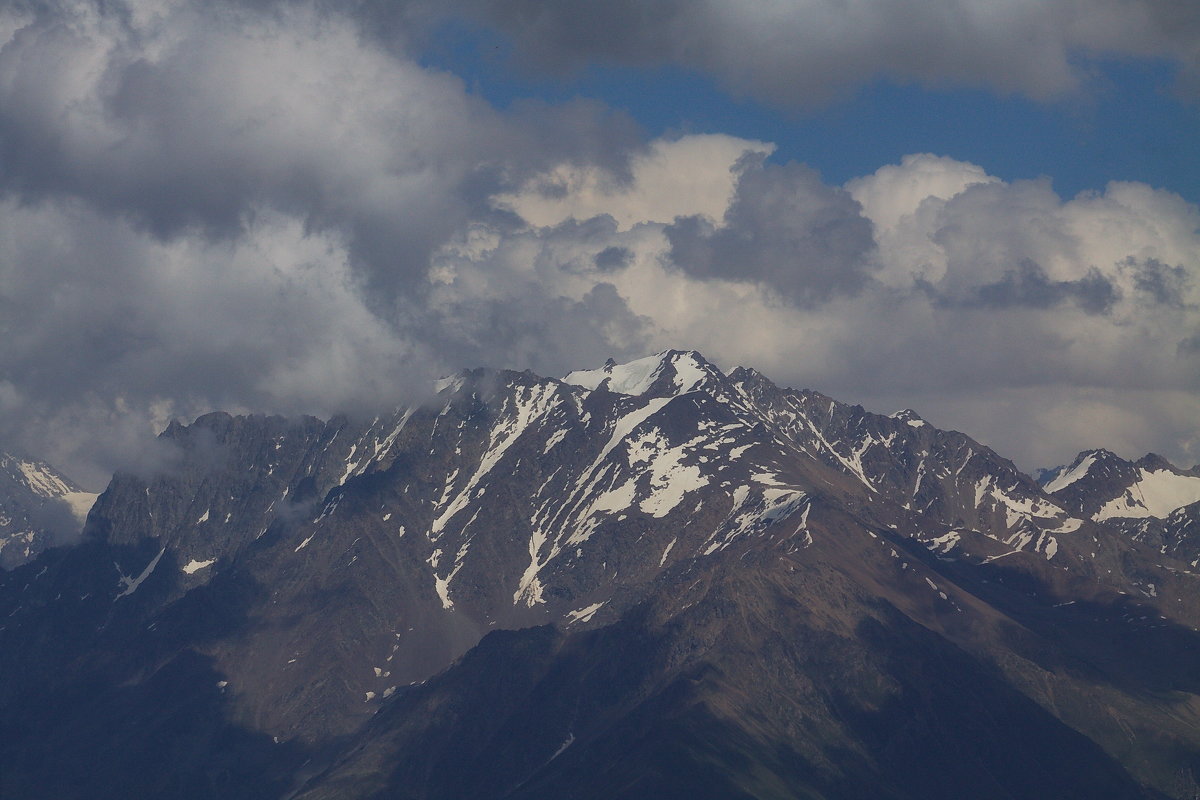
[1130,122]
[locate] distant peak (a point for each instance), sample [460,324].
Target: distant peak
[173,430]
[450,382]
[668,372]
[909,416]
[1062,477]
[1153,462]
[747,372]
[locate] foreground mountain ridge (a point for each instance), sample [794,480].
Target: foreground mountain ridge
[756,579]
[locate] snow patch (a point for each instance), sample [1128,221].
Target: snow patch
[554,439]
[442,587]
[613,500]
[1018,509]
[1051,548]
[1069,476]
[632,378]
[351,465]
[688,373]
[636,377]
[626,425]
[1069,525]
[42,481]
[195,566]
[584,614]
[1155,494]
[452,382]
[945,543]
[381,448]
[131,584]
[670,481]
[566,743]
[667,551]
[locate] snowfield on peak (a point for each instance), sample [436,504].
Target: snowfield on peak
[1070,474]
[1156,494]
[637,376]
[1103,486]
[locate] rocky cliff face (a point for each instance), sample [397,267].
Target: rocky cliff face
[649,579]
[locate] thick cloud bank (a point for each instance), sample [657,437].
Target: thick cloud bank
[1040,324]
[207,206]
[274,207]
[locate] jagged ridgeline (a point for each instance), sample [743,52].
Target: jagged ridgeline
[648,580]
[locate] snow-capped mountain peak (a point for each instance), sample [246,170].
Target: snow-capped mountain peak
[909,416]
[670,372]
[1062,477]
[1102,485]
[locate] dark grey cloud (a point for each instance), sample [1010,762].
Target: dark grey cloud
[785,229]
[612,258]
[235,206]
[197,121]
[552,334]
[1189,346]
[581,246]
[802,52]
[1161,283]
[1027,286]
[109,332]
[564,36]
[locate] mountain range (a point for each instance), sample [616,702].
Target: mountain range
[646,580]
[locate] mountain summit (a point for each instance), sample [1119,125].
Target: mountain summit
[650,579]
[667,373]
[1102,485]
